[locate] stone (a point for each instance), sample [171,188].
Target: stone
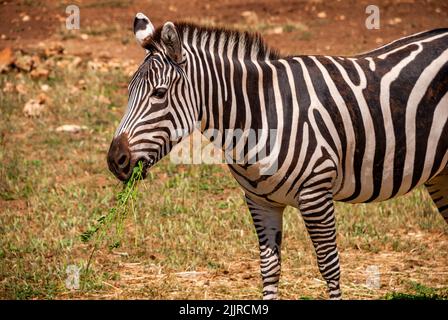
[24,63]
[250,16]
[9,87]
[40,73]
[322,15]
[6,59]
[276,30]
[53,49]
[21,89]
[76,62]
[34,107]
[70,128]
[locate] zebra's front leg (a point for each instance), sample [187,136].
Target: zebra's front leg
[316,207]
[268,223]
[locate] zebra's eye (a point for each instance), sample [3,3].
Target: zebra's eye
[159,93]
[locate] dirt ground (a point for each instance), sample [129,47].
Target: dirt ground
[292,27]
[309,27]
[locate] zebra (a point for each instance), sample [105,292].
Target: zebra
[357,129]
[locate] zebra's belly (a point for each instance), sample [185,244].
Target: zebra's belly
[392,181]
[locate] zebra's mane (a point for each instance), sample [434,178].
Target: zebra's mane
[252,42]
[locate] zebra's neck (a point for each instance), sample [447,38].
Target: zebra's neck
[225,69]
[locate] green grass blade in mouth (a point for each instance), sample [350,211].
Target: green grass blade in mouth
[116,215]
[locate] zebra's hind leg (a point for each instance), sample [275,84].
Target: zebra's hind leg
[316,207]
[268,223]
[438,189]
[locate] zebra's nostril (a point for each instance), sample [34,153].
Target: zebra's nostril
[119,157]
[123,161]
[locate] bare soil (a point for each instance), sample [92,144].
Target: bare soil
[324,27]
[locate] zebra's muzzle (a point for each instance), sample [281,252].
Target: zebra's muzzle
[119,157]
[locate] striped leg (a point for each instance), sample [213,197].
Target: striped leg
[317,210]
[438,189]
[268,223]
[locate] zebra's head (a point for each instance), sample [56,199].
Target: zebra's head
[157,115]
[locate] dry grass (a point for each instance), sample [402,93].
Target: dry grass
[192,237]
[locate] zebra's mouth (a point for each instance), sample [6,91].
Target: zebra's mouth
[147,163]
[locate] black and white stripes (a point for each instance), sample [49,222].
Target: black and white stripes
[355,129]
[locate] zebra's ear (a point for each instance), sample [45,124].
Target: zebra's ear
[143,28]
[172,42]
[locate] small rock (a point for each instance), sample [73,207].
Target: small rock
[76,62]
[379,40]
[250,16]
[36,60]
[97,66]
[322,15]
[395,21]
[26,18]
[24,63]
[276,30]
[45,87]
[104,56]
[84,36]
[82,84]
[21,89]
[6,59]
[50,63]
[114,64]
[342,17]
[74,90]
[9,87]
[40,73]
[34,107]
[3,37]
[42,97]
[438,10]
[62,64]
[60,17]
[54,49]
[103,100]
[70,128]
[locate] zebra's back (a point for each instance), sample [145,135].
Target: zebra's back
[390,110]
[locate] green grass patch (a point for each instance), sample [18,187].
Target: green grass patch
[420,292]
